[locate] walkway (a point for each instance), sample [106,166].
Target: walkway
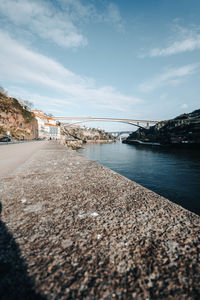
[73,229]
[13,155]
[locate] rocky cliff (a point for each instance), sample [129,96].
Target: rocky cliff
[85,134]
[16,118]
[182,130]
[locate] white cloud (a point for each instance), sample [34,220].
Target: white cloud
[43,20]
[38,99]
[171,77]
[112,15]
[76,10]
[177,47]
[21,65]
[56,22]
[184,106]
[183,40]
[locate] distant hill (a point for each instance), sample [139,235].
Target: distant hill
[85,134]
[16,118]
[182,130]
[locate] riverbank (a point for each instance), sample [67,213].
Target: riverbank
[100,141]
[140,143]
[181,145]
[180,132]
[73,229]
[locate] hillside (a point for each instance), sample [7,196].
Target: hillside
[85,134]
[16,118]
[182,130]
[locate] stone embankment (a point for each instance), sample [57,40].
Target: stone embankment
[73,144]
[73,229]
[100,141]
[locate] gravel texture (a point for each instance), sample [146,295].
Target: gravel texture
[73,229]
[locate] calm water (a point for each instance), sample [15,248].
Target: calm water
[172,173]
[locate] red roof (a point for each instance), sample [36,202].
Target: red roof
[47,124]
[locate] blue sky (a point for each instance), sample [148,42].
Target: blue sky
[130,59]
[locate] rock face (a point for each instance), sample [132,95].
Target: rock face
[182,130]
[74,136]
[85,134]
[17,119]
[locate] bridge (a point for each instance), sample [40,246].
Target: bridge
[126,121]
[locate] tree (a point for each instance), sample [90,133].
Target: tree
[48,115]
[3,91]
[28,104]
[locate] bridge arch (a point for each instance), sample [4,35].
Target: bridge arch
[79,122]
[125,121]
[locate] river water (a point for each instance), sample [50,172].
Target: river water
[172,173]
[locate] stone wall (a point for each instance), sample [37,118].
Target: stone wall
[73,229]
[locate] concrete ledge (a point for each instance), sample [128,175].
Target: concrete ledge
[73,229]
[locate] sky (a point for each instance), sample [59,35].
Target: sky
[136,59]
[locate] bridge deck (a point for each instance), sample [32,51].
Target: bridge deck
[106,119]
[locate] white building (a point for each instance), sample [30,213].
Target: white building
[47,126]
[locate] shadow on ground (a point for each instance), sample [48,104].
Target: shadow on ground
[15,283]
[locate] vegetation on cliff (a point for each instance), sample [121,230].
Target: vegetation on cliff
[184,129]
[16,118]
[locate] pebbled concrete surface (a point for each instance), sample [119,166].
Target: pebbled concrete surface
[73,229]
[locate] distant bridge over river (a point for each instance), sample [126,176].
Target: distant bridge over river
[145,123]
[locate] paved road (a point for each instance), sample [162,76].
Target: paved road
[13,155]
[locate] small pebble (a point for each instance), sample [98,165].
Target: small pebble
[94,214]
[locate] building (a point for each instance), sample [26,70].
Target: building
[47,126]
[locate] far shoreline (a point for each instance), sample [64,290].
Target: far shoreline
[184,146]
